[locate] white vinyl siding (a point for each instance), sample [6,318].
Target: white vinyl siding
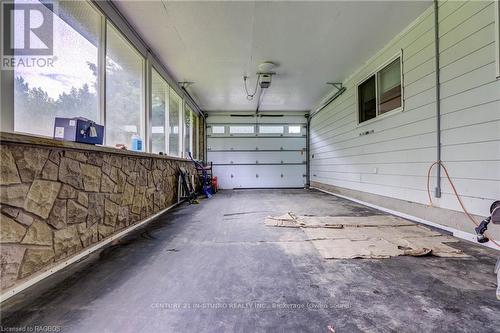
[497,31]
[393,158]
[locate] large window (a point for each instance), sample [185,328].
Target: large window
[188,131]
[196,135]
[159,118]
[175,105]
[96,73]
[124,90]
[381,92]
[69,87]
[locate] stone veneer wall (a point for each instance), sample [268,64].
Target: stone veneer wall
[57,201]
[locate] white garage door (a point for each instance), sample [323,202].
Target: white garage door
[263,151]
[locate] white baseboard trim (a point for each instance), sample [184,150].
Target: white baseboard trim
[455,232]
[8,293]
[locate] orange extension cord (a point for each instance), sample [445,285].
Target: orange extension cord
[454,191]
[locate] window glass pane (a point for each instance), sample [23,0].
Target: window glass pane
[159,108]
[173,121]
[188,131]
[366,100]
[271,129]
[124,90]
[68,88]
[389,86]
[241,129]
[218,129]
[196,135]
[294,129]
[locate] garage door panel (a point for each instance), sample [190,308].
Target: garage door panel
[259,176]
[224,173]
[272,156]
[231,157]
[256,143]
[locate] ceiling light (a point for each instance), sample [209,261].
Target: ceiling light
[267,67]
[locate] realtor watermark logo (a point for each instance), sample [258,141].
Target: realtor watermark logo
[27,38]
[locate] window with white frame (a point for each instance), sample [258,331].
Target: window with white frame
[188,131]
[196,135]
[99,74]
[69,88]
[124,89]
[174,116]
[381,92]
[159,113]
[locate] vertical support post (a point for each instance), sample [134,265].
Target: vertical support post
[438,99]
[205,140]
[148,112]
[181,127]
[101,74]
[308,158]
[7,87]
[167,120]
[497,36]
[7,100]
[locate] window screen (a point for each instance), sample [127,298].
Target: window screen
[175,104]
[188,131]
[389,86]
[196,135]
[69,87]
[124,90]
[159,106]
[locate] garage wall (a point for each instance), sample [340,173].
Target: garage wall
[393,159]
[260,159]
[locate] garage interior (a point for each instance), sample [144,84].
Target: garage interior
[255,166]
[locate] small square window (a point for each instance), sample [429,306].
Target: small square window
[271,129]
[241,129]
[294,129]
[218,130]
[381,92]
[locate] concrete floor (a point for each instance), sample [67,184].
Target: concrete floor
[215,267]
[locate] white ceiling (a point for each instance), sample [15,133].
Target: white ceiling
[214,44]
